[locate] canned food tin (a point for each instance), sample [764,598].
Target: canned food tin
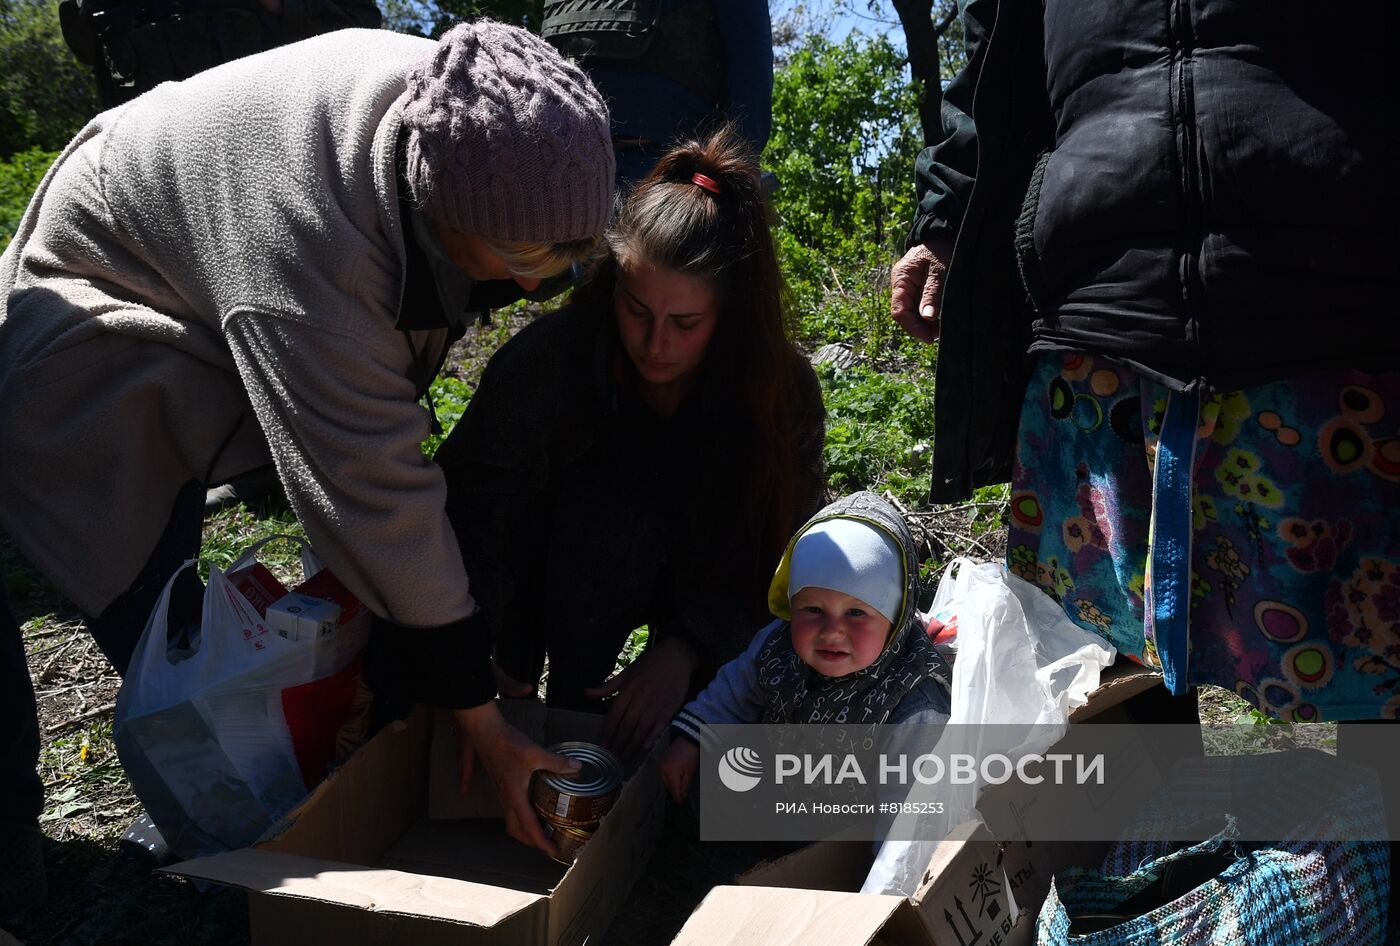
[579,800]
[568,840]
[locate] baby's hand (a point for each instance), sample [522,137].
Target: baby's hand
[678,767]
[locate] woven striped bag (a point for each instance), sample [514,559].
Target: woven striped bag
[1299,891]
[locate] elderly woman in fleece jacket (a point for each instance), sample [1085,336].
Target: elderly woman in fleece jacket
[266,263]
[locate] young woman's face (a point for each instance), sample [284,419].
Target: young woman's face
[666,320]
[834,633]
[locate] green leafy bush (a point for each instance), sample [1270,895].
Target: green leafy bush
[19,176]
[879,428]
[843,146]
[45,94]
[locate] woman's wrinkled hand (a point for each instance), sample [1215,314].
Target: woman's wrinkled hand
[916,288]
[649,692]
[511,759]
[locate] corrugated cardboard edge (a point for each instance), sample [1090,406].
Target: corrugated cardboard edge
[787,916]
[364,888]
[332,818]
[1119,683]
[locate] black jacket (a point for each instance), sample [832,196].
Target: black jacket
[556,423]
[1202,191]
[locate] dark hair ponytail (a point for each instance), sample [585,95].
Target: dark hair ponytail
[701,212]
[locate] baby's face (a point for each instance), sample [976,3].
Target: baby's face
[834,633]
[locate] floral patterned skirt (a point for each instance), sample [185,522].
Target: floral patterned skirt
[1290,564]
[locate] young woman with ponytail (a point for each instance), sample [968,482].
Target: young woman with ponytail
[641,456]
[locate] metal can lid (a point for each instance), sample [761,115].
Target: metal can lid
[601,772]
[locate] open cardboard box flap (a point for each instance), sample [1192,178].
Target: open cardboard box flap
[794,917]
[364,888]
[970,888]
[366,839]
[786,916]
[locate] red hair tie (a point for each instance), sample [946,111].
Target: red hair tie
[705,181]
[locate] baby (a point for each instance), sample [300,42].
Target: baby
[848,645]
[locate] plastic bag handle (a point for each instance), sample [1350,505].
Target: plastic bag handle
[152,650]
[310,562]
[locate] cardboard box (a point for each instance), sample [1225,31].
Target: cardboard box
[258,585]
[297,616]
[364,861]
[975,891]
[807,898]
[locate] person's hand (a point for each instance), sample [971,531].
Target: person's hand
[510,687]
[678,767]
[916,288]
[511,758]
[649,692]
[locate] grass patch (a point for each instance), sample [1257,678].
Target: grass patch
[879,430]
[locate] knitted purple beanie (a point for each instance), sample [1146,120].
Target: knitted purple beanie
[507,139]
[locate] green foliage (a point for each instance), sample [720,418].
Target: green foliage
[843,146]
[229,533]
[45,94]
[878,431]
[19,176]
[635,646]
[450,396]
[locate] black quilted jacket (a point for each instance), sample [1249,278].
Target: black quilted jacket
[1203,190]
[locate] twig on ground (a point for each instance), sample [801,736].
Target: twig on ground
[43,675]
[936,547]
[51,631]
[945,536]
[61,690]
[82,718]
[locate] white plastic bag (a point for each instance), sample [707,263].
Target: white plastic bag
[205,738]
[1021,666]
[1020,659]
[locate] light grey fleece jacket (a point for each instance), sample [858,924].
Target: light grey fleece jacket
[209,276]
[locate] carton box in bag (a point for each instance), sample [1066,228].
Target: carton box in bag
[388,850]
